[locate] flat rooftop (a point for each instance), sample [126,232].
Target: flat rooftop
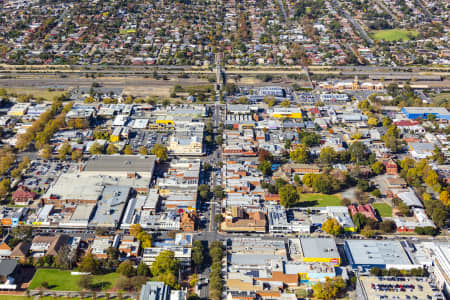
[319,248]
[373,252]
[121,163]
[431,110]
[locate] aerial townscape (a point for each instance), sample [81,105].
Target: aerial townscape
[225,150]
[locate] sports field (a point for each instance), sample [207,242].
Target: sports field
[391,35]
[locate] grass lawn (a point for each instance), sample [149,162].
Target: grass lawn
[394,34]
[59,280]
[12,297]
[36,92]
[319,200]
[384,210]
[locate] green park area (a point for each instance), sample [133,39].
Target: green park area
[391,35]
[59,280]
[319,200]
[384,210]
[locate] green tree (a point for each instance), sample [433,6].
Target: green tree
[197,253]
[126,269]
[332,226]
[300,154]
[265,168]
[377,168]
[358,151]
[328,155]
[288,195]
[359,220]
[165,268]
[388,226]
[143,270]
[89,264]
[219,218]
[218,192]
[204,192]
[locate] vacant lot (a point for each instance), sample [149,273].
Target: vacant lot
[394,34]
[319,200]
[384,210]
[62,280]
[36,92]
[12,297]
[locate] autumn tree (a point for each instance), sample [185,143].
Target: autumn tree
[332,226]
[46,152]
[128,150]
[329,289]
[144,237]
[64,150]
[96,148]
[77,155]
[160,151]
[143,150]
[112,149]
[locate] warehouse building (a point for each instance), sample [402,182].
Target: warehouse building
[423,112]
[366,254]
[320,250]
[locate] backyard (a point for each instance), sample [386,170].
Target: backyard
[384,210]
[319,200]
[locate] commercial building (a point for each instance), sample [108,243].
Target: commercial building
[237,220]
[121,165]
[19,109]
[182,254]
[328,99]
[366,254]
[320,250]
[110,207]
[286,112]
[423,112]
[441,266]
[156,290]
